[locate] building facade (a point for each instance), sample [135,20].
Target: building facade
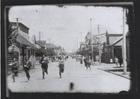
[20,40]
[109,51]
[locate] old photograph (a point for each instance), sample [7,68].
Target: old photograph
[69,48]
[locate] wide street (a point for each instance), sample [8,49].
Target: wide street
[93,80]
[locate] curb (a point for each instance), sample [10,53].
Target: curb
[114,73]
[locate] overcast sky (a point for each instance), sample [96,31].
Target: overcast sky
[67,26]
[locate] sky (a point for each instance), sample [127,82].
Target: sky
[67,26]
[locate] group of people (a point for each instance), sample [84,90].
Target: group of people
[44,65]
[44,61]
[87,61]
[15,66]
[118,61]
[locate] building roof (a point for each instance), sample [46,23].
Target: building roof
[22,40]
[113,37]
[118,41]
[41,43]
[20,24]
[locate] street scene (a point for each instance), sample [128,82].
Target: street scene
[68,49]
[84,80]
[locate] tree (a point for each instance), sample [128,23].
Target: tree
[50,52]
[41,52]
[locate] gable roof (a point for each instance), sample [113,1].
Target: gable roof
[41,43]
[117,41]
[20,24]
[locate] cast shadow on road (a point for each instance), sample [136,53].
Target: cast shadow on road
[25,81]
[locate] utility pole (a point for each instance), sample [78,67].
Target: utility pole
[98,29]
[91,39]
[124,45]
[81,36]
[17,22]
[99,46]
[34,39]
[91,25]
[81,42]
[39,36]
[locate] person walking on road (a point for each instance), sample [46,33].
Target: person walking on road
[44,65]
[120,60]
[81,59]
[14,68]
[88,63]
[85,61]
[61,66]
[27,67]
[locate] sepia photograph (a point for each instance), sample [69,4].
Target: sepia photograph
[68,49]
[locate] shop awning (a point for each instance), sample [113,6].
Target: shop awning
[22,40]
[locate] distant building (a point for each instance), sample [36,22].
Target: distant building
[111,51]
[22,29]
[91,46]
[41,43]
[58,50]
[119,44]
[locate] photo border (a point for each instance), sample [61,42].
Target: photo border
[6,4]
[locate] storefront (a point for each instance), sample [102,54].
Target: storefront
[22,49]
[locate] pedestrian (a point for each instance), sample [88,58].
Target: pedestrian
[14,68]
[41,59]
[27,67]
[61,66]
[120,61]
[32,60]
[85,62]
[44,65]
[116,61]
[88,63]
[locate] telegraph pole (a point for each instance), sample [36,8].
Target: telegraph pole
[91,39]
[99,46]
[124,46]
[39,36]
[91,25]
[17,22]
[98,29]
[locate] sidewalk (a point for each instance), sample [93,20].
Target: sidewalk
[111,68]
